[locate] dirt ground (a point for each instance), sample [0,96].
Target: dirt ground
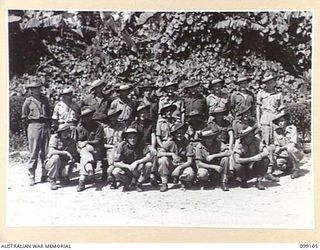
[287,204]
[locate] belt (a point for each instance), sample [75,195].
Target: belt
[41,120]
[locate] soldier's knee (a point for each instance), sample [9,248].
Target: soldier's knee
[203,174]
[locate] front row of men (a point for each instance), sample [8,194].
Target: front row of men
[134,160]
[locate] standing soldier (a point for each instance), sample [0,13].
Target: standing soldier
[269,105]
[98,99]
[194,100]
[126,105]
[67,111]
[90,144]
[171,98]
[148,98]
[241,97]
[216,99]
[176,159]
[165,124]
[36,112]
[212,156]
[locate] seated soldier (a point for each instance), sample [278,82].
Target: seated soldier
[165,124]
[132,161]
[90,144]
[175,158]
[212,156]
[62,155]
[251,157]
[288,150]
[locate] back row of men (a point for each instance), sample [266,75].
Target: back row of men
[194,139]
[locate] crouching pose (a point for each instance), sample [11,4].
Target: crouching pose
[62,156]
[212,156]
[251,157]
[176,159]
[132,161]
[90,145]
[288,151]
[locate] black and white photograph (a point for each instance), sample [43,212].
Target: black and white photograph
[161,118]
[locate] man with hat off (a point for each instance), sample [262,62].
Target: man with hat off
[288,150]
[67,111]
[216,99]
[36,112]
[165,124]
[90,144]
[241,97]
[170,89]
[99,99]
[176,158]
[251,157]
[194,100]
[126,105]
[62,155]
[132,161]
[269,105]
[212,157]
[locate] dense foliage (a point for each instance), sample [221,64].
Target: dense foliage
[75,48]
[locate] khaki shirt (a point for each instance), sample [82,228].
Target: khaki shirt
[34,109]
[66,114]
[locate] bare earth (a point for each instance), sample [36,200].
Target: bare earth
[289,204]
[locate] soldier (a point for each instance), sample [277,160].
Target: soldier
[170,89]
[216,99]
[146,127]
[194,100]
[176,159]
[36,111]
[62,155]
[212,157]
[90,144]
[251,157]
[244,120]
[196,124]
[67,111]
[148,98]
[132,161]
[241,97]
[165,124]
[126,105]
[288,150]
[269,105]
[99,99]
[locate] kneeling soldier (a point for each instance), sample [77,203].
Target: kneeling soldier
[288,150]
[62,155]
[132,161]
[251,157]
[212,155]
[90,144]
[175,158]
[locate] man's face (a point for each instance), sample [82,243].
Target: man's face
[270,85]
[143,114]
[98,90]
[87,118]
[282,123]
[124,93]
[193,90]
[170,90]
[243,85]
[179,134]
[65,134]
[147,92]
[209,140]
[132,138]
[67,97]
[217,88]
[35,91]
